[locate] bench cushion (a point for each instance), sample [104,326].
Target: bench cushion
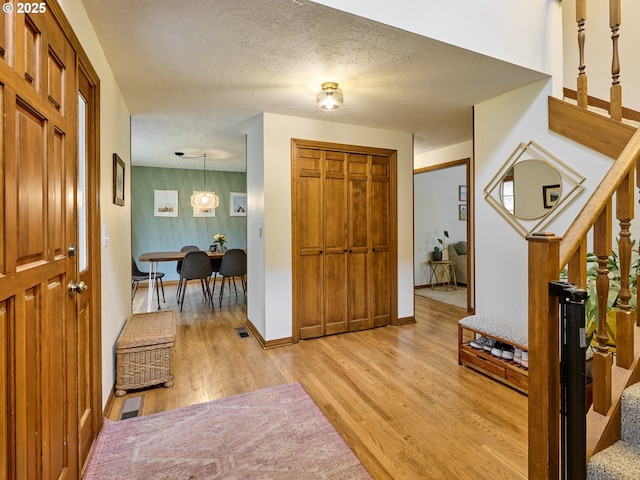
[501,328]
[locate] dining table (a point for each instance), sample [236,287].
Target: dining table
[154,258]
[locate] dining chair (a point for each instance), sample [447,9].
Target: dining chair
[186,248]
[196,266]
[234,264]
[138,276]
[215,270]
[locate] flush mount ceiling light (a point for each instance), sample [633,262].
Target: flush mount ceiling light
[330,97]
[205,200]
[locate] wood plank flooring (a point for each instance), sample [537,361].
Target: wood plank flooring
[396,394]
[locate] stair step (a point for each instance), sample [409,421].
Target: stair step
[630,415]
[620,461]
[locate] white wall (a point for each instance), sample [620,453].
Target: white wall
[278,130]
[115,137]
[255,225]
[529,37]
[435,210]
[459,151]
[501,124]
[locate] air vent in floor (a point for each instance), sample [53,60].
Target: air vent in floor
[242,332]
[131,407]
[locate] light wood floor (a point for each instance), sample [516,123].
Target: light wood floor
[395,394]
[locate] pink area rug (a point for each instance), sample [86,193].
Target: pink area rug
[271,434]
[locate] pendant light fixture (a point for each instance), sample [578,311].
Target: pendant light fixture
[204,200]
[330,97]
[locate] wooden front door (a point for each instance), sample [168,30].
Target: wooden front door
[38,249]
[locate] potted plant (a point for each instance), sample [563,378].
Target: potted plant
[436,256]
[219,239]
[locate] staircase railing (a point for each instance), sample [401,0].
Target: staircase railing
[550,254]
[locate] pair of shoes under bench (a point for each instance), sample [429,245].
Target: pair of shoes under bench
[503,350]
[483,343]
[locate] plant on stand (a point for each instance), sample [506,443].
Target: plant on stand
[437,250]
[219,239]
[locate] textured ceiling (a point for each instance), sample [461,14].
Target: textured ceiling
[195,72]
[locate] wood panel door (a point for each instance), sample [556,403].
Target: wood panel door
[38,321]
[88,304]
[358,243]
[309,267]
[382,223]
[343,238]
[334,232]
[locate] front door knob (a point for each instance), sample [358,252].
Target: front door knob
[77,287]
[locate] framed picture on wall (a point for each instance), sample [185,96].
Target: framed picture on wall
[550,195]
[238,204]
[203,212]
[165,203]
[462,193]
[118,180]
[462,212]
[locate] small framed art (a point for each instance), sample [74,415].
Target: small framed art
[238,204]
[462,212]
[165,203]
[118,180]
[462,193]
[550,195]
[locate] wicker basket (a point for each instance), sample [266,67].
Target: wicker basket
[144,351]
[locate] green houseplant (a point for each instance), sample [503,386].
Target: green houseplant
[437,250]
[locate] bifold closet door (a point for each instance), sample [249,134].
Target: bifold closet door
[343,238]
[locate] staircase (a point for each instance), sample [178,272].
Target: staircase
[613,421]
[621,461]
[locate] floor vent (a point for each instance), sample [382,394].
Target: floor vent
[242,332]
[131,407]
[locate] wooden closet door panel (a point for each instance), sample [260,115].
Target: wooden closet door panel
[380,231]
[308,242]
[380,288]
[309,302]
[334,226]
[358,243]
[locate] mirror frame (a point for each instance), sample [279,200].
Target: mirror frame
[570,180]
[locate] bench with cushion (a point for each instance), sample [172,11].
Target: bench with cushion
[502,330]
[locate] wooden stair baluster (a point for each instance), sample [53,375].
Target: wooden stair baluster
[602,362]
[581,88]
[615,110]
[577,267]
[624,315]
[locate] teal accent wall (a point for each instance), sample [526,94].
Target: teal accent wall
[158,234]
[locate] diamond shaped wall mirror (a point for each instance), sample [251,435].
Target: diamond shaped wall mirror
[532,188]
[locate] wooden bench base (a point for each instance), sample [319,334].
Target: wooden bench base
[505,371]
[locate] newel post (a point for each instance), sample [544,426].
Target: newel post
[544,359]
